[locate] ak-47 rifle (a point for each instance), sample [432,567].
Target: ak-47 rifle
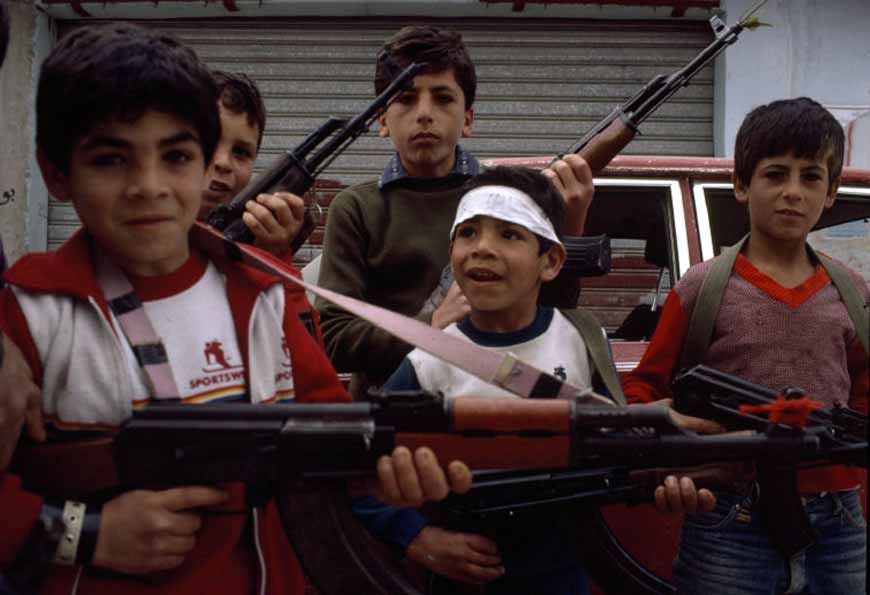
[502,500]
[296,170]
[738,404]
[300,451]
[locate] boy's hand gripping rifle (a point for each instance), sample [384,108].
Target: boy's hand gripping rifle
[607,138]
[296,170]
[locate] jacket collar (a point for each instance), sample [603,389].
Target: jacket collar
[69,270]
[466,166]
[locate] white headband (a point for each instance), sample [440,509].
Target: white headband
[508,204]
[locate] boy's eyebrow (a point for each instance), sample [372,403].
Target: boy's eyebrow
[105,140]
[437,89]
[443,89]
[247,145]
[179,137]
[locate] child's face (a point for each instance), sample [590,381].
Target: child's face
[499,270]
[233,161]
[426,122]
[786,196]
[137,188]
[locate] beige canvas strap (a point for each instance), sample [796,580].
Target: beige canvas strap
[503,370]
[851,296]
[599,350]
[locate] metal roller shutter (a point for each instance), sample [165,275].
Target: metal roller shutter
[541,83]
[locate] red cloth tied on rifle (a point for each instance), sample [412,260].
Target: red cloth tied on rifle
[789,411]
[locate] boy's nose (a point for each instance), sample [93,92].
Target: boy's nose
[146,181]
[793,190]
[484,243]
[424,109]
[221,161]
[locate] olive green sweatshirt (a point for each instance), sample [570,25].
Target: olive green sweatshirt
[387,248]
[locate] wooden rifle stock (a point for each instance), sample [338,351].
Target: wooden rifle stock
[607,144]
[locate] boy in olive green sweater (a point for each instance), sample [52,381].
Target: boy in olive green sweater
[386,240]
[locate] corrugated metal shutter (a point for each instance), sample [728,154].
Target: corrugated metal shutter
[542,83]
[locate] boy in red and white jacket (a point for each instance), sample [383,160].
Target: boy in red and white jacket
[131,311]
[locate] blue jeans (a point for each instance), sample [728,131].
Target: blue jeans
[727,551]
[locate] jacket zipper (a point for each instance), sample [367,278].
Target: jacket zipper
[261,561]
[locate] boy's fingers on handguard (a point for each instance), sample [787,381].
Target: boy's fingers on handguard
[432,480]
[572,178]
[696,424]
[460,477]
[681,496]
[292,209]
[279,207]
[706,500]
[184,524]
[673,496]
[261,219]
[189,497]
[399,479]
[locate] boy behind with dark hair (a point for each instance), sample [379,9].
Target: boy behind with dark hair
[273,218]
[386,240]
[131,311]
[782,309]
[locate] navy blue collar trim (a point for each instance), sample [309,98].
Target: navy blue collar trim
[537,328]
[466,166]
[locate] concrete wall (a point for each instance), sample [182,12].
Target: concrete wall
[817,48]
[23,199]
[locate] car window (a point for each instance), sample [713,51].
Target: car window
[638,219]
[843,231]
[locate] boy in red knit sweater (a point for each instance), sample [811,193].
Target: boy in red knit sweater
[781,323]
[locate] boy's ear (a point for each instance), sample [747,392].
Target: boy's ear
[466,125]
[741,192]
[553,259]
[56,181]
[832,193]
[383,128]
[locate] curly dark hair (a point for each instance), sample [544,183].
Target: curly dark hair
[120,71]
[240,94]
[801,126]
[439,48]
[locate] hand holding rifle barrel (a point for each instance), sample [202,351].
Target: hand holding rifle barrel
[296,170]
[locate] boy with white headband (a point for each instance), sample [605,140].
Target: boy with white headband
[505,242]
[503,246]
